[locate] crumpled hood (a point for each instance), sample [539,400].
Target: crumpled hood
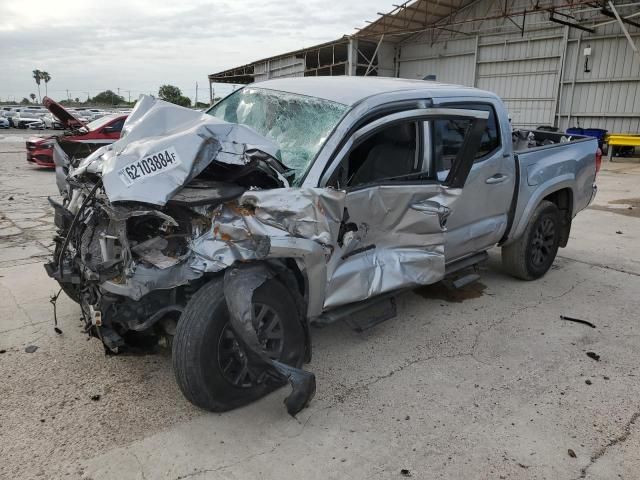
[164,146]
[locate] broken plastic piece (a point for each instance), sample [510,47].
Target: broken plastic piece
[303,386]
[577,320]
[239,284]
[594,356]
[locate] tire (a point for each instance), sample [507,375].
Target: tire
[532,255]
[203,337]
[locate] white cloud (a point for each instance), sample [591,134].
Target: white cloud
[137,45]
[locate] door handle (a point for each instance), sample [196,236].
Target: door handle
[430,207]
[497,178]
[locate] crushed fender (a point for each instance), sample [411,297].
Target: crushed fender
[239,284]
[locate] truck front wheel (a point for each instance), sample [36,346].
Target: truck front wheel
[532,255]
[209,364]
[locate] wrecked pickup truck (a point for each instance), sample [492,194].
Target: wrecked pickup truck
[300,201]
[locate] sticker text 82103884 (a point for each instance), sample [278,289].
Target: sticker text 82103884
[149,166]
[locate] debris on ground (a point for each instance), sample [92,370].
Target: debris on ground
[3,351]
[31,348]
[10,198]
[619,232]
[571,453]
[405,472]
[577,320]
[587,381]
[593,355]
[95,398]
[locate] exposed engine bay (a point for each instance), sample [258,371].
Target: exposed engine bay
[133,246]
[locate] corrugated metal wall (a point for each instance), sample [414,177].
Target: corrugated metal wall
[290,66]
[540,75]
[525,72]
[609,95]
[451,62]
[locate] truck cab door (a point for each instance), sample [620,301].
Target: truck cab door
[396,210]
[481,216]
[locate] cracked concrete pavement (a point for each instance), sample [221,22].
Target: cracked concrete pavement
[483,383]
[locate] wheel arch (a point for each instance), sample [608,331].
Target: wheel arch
[546,191]
[563,199]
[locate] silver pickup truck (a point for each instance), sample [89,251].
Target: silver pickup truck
[301,201]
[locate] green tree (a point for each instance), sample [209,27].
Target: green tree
[33,97]
[107,97]
[47,78]
[170,93]
[24,101]
[37,76]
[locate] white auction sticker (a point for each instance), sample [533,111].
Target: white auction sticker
[149,166]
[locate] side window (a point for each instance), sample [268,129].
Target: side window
[117,125]
[390,153]
[448,136]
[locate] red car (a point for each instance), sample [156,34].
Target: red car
[79,140]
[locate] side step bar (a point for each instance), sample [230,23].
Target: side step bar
[362,315]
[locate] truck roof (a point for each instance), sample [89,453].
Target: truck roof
[350,90]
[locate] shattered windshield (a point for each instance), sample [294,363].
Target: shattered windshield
[298,124]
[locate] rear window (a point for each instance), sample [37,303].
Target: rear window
[449,135]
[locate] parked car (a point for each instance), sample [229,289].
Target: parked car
[9,115]
[298,201]
[4,122]
[52,122]
[39,125]
[78,141]
[24,120]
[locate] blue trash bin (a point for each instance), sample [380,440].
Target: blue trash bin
[599,133]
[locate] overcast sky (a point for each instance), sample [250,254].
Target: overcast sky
[138,45]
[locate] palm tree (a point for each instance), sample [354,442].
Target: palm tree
[37,76]
[33,97]
[46,77]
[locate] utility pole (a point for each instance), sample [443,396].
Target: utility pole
[68,97]
[196,105]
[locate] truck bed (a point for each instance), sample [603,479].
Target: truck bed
[547,162]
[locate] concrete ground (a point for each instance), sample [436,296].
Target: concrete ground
[487,383]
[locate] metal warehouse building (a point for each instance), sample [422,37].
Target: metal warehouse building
[554,62]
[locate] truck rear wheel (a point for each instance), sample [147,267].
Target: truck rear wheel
[532,255]
[211,367]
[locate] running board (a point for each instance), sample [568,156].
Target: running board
[466,262]
[465,280]
[363,315]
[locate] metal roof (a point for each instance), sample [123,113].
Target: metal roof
[439,17]
[414,16]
